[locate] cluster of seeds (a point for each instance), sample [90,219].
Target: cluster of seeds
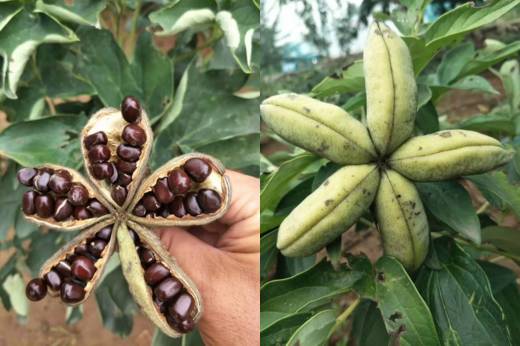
[55,194]
[118,170]
[179,193]
[70,276]
[169,295]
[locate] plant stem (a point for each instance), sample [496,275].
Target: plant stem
[483,208]
[133,29]
[345,314]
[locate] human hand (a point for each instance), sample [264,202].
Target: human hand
[223,259]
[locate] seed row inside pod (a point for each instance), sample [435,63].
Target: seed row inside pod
[56,195]
[70,276]
[170,297]
[179,193]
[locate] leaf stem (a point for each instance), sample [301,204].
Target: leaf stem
[133,29]
[345,315]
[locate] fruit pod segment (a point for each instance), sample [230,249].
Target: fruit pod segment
[216,181]
[68,249]
[111,122]
[391,88]
[329,211]
[72,225]
[448,154]
[322,128]
[134,274]
[402,220]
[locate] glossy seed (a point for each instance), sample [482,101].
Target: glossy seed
[63,210]
[186,325]
[162,191]
[146,256]
[182,307]
[96,208]
[179,182]
[94,139]
[72,292]
[53,280]
[82,250]
[60,183]
[151,203]
[83,268]
[134,135]
[134,236]
[96,247]
[191,205]
[124,179]
[44,206]
[155,274]
[197,169]
[26,175]
[130,109]
[209,200]
[63,268]
[119,194]
[177,207]
[102,171]
[128,153]
[126,166]
[78,195]
[36,289]
[115,175]
[28,206]
[104,233]
[81,213]
[41,181]
[139,210]
[167,289]
[99,153]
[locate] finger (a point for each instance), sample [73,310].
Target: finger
[245,201]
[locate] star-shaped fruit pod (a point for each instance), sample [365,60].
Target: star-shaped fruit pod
[380,161]
[118,203]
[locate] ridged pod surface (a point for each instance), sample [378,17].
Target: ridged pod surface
[329,210]
[390,87]
[448,154]
[322,128]
[402,220]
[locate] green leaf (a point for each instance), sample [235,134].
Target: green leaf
[503,238]
[47,140]
[281,298]
[74,314]
[460,298]
[492,123]
[184,14]
[487,58]
[424,95]
[103,62]
[15,288]
[450,203]
[510,75]
[30,104]
[18,40]
[323,173]
[84,12]
[472,83]
[279,332]
[10,200]
[452,26]
[316,330]
[368,328]
[350,80]
[115,303]
[498,190]
[8,10]
[290,266]
[407,317]
[153,71]
[427,119]
[268,254]
[454,61]
[191,339]
[22,226]
[283,180]
[334,252]
[43,246]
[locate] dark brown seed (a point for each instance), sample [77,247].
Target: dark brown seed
[124,179]
[82,250]
[155,274]
[28,202]
[134,236]
[146,256]
[139,210]
[179,182]
[83,268]
[119,194]
[167,289]
[134,135]
[209,200]
[26,175]
[102,171]
[78,195]
[44,206]
[197,169]
[162,191]
[130,109]
[163,212]
[60,183]
[36,289]
[41,181]
[161,306]
[105,233]
[99,153]
[182,307]
[96,247]
[53,280]
[113,178]
[128,153]
[150,202]
[96,208]
[186,325]
[177,207]
[81,213]
[191,205]
[125,166]
[94,139]
[63,210]
[72,292]
[63,268]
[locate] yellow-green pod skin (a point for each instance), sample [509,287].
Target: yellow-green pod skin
[402,220]
[329,211]
[321,128]
[391,89]
[448,154]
